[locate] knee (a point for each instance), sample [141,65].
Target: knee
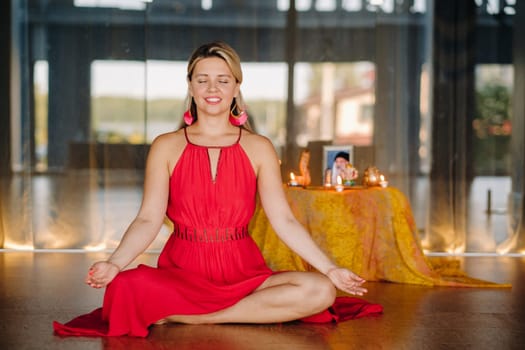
[321,293]
[327,291]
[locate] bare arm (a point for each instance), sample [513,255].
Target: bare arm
[289,230]
[276,207]
[146,225]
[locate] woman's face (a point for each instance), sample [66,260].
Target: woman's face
[213,87]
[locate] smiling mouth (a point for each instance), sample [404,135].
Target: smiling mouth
[213,99]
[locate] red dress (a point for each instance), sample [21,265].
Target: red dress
[209,263]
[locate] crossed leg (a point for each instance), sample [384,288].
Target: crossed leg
[283,297]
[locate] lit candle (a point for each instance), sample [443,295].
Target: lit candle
[328,178]
[339,187]
[382,181]
[293,181]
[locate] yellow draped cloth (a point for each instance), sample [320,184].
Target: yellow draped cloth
[370,231]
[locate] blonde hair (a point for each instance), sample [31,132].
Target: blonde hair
[225,52]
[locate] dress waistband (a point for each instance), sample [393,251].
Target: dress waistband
[209,234]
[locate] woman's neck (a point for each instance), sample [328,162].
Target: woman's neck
[214,126]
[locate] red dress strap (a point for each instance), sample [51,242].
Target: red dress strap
[191,143]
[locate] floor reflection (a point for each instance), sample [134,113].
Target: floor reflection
[90,209]
[39,288]
[227,337]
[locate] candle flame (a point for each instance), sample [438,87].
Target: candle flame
[292,176]
[381,178]
[339,180]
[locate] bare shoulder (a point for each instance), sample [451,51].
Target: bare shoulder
[259,149]
[255,142]
[172,140]
[168,146]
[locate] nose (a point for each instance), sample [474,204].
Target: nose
[212,86]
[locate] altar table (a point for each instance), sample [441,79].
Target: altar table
[370,231]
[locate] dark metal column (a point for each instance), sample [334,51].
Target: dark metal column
[5,89]
[290,151]
[399,57]
[5,107]
[69,91]
[516,242]
[453,107]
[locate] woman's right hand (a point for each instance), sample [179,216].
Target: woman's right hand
[101,273]
[346,280]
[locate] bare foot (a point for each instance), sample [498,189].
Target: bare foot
[161,322]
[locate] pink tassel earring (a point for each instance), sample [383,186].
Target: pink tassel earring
[238,120]
[188,118]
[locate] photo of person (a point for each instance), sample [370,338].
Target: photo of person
[336,159]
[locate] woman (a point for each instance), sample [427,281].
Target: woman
[204,177]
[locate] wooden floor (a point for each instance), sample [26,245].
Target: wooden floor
[39,287]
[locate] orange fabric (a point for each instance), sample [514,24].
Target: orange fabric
[371,231]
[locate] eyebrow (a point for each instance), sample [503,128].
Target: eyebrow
[220,75]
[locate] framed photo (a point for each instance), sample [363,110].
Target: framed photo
[330,152]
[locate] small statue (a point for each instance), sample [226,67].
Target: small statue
[304,178]
[350,174]
[371,176]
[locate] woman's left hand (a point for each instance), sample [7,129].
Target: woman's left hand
[347,281]
[101,273]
